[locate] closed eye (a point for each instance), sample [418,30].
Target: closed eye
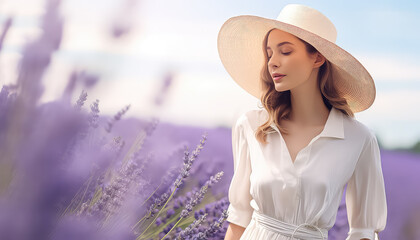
[288,53]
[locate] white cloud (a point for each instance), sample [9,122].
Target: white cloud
[396,105]
[394,116]
[394,67]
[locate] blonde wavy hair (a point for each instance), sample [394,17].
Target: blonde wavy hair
[277,103]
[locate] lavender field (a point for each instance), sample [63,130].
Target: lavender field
[67,171]
[400,169]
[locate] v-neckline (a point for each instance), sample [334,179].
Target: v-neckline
[283,142]
[286,148]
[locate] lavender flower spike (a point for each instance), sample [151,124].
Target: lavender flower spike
[6,27]
[213,229]
[81,100]
[189,230]
[94,114]
[117,117]
[198,196]
[185,171]
[189,161]
[166,197]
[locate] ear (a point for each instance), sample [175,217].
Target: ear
[320,59]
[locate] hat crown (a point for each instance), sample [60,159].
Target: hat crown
[309,19]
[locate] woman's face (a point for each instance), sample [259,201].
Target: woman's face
[287,56]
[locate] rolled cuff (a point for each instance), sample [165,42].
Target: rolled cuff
[360,233]
[239,217]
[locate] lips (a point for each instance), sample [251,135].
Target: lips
[277,75]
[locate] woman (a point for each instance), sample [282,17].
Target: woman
[294,157]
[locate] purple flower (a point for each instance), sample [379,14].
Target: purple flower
[81,101]
[6,28]
[188,161]
[94,114]
[167,81]
[198,195]
[124,23]
[37,54]
[62,178]
[116,117]
[213,229]
[187,232]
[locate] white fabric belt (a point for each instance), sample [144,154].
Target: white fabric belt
[304,231]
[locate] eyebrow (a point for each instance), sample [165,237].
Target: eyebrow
[279,44]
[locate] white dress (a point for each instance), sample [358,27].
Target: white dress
[309,189]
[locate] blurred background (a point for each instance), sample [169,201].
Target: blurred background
[161,58]
[177,40]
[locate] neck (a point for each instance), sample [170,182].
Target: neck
[307,105]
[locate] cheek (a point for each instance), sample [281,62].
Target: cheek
[299,66]
[293,66]
[293,62]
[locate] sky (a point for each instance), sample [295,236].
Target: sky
[180,37]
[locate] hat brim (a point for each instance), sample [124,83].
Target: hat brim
[239,44]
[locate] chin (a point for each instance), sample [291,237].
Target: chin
[280,89]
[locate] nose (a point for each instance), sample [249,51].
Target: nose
[272,65]
[273,62]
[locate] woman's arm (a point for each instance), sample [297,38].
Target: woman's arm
[365,194]
[239,210]
[234,232]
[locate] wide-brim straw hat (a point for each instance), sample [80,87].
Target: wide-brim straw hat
[240,47]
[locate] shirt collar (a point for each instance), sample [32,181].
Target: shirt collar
[333,127]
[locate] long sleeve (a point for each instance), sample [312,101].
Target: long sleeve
[365,194]
[240,210]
